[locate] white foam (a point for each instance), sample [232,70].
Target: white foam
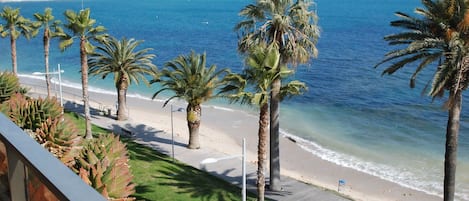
[94,89]
[36,77]
[222,108]
[400,176]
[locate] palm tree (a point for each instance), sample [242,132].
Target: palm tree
[15,26]
[121,59]
[83,27]
[46,20]
[293,27]
[253,86]
[438,37]
[189,79]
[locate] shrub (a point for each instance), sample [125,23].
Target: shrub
[103,164]
[30,113]
[9,85]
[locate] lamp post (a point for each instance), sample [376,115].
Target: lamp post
[59,72]
[172,129]
[214,160]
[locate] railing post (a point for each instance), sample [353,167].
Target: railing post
[16,176]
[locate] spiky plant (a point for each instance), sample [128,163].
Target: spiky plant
[9,84]
[59,136]
[103,164]
[43,120]
[30,113]
[16,108]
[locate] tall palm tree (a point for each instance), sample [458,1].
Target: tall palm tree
[292,25]
[253,86]
[438,40]
[15,26]
[125,63]
[82,26]
[189,79]
[46,20]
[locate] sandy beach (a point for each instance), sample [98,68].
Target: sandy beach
[222,130]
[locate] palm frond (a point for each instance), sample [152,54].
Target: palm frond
[437,36]
[190,79]
[291,25]
[121,58]
[428,59]
[293,88]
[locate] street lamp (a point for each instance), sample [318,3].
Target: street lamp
[59,72]
[214,160]
[172,128]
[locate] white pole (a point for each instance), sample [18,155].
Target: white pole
[60,86]
[244,169]
[172,133]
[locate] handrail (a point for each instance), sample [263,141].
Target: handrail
[60,180]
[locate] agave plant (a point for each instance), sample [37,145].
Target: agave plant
[43,120]
[30,113]
[103,164]
[59,136]
[9,85]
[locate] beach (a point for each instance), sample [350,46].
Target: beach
[222,130]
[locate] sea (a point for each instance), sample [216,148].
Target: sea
[351,115]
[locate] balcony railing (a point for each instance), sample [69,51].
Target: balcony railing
[29,170]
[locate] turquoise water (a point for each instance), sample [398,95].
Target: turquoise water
[351,115]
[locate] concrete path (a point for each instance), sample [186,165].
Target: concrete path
[229,169]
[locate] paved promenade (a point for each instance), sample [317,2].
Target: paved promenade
[229,169]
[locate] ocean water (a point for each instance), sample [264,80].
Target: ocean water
[351,115]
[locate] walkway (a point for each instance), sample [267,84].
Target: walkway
[229,170]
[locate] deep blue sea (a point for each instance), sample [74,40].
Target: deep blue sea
[351,115]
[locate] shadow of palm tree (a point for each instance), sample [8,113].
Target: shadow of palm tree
[147,136]
[198,184]
[159,170]
[140,152]
[141,188]
[79,108]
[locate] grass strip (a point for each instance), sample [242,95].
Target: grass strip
[158,178]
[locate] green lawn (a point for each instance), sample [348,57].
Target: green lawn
[158,178]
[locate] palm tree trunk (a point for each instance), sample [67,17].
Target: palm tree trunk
[84,83]
[262,150]
[121,102]
[194,112]
[274,136]
[452,131]
[13,55]
[46,41]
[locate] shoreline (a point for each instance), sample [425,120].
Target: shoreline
[223,129]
